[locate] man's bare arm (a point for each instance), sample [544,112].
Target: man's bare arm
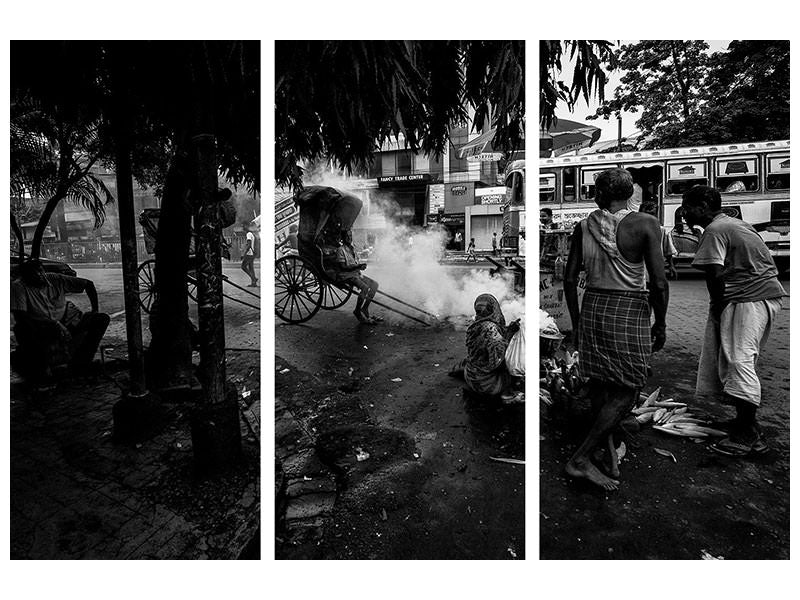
[572,274]
[659,288]
[716,288]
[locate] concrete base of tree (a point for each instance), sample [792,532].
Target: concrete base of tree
[216,436]
[137,418]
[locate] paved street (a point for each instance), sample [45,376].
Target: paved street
[738,509]
[381,454]
[77,494]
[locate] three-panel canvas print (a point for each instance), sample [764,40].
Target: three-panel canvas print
[391,236]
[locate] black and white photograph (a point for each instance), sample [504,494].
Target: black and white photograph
[664,299]
[135,300]
[400,299]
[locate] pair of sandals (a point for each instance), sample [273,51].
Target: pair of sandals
[739,449]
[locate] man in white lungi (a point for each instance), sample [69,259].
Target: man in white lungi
[746,297]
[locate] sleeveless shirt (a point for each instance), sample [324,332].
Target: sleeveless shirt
[605,269]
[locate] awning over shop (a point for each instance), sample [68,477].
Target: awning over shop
[480,149]
[566,136]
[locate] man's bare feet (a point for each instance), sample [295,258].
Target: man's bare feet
[588,471]
[360,316]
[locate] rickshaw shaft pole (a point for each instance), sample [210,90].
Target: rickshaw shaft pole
[241,302]
[406,304]
[400,312]
[238,287]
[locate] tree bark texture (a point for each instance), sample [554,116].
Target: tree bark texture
[130,283]
[170,348]
[209,271]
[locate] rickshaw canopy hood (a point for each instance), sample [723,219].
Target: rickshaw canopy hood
[319,206]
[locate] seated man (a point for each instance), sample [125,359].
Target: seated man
[51,331]
[347,270]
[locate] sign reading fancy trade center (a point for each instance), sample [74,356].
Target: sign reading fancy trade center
[413,179]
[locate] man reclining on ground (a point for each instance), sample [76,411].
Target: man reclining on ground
[51,331]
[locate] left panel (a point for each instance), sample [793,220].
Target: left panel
[135,301]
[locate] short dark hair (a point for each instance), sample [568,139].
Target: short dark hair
[612,185]
[703,194]
[547,210]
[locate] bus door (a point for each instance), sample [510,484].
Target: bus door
[648,179]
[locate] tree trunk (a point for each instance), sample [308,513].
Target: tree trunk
[209,271]
[15,228]
[127,234]
[170,356]
[41,226]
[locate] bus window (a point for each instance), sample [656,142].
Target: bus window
[681,176]
[547,188]
[735,175]
[515,189]
[587,183]
[569,185]
[778,172]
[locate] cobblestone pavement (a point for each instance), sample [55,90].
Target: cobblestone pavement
[738,509]
[77,494]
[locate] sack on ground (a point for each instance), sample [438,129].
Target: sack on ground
[515,354]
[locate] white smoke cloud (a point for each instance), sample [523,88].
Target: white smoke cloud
[411,271]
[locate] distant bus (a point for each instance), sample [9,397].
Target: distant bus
[514,207]
[753,179]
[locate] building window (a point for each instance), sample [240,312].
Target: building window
[458,137]
[404,160]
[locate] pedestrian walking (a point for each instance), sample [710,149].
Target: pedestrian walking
[616,247]
[494,244]
[745,299]
[471,251]
[249,256]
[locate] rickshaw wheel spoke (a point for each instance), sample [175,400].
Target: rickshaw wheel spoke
[298,295]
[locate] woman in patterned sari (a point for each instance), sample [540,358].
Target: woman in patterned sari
[485,369]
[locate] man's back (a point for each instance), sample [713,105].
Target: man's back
[749,272]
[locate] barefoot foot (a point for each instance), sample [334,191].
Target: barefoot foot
[591,473]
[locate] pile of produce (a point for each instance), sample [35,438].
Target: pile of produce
[674,418]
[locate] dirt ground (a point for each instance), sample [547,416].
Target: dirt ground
[706,502]
[428,489]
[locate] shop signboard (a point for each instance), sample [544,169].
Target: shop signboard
[490,195]
[400,180]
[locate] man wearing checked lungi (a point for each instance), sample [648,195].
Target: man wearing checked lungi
[615,246]
[745,299]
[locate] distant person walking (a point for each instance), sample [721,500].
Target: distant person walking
[249,256]
[746,298]
[471,251]
[494,244]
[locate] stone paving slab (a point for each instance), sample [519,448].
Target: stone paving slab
[75,493]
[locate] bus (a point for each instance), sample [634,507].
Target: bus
[514,207]
[753,179]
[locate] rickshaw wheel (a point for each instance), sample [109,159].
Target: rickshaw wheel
[147,284]
[334,297]
[298,290]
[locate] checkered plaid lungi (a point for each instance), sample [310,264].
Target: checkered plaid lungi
[614,344]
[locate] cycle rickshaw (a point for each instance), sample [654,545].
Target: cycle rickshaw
[305,282]
[146,271]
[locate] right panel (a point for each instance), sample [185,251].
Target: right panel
[664,322]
